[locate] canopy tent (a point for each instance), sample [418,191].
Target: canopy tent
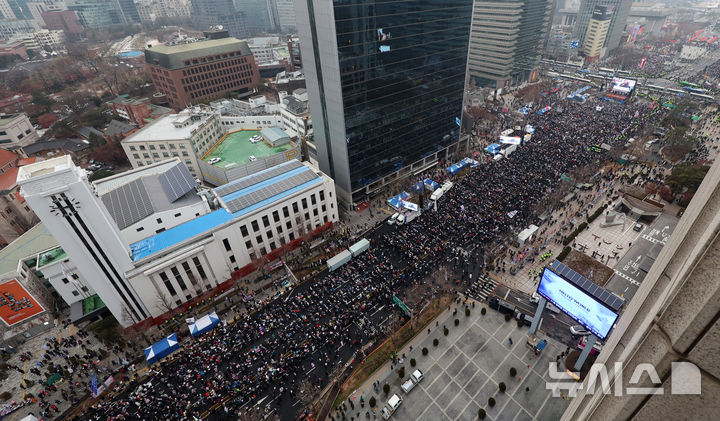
[161,349]
[204,324]
[455,168]
[471,162]
[430,185]
[493,149]
[418,187]
[395,201]
[544,110]
[524,110]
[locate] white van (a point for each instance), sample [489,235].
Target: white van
[392,405]
[393,219]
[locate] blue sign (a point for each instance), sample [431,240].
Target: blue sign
[457,120]
[576,303]
[93,385]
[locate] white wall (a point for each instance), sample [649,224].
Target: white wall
[230,123]
[168,219]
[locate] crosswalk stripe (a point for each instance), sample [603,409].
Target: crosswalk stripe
[482,288]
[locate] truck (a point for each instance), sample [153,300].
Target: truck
[437,194]
[415,378]
[407,217]
[390,407]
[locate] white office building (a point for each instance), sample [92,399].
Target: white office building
[140,280]
[186,135]
[16,131]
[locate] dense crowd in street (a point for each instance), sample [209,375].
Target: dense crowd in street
[267,350]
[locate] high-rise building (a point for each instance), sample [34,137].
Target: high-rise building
[385,82]
[210,13]
[620,9]
[506,41]
[65,20]
[286,15]
[124,11]
[259,15]
[597,32]
[6,11]
[188,73]
[92,14]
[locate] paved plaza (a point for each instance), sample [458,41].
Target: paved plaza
[464,370]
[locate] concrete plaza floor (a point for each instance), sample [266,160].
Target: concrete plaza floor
[464,370]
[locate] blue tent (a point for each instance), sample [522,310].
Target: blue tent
[395,201]
[204,324]
[161,349]
[418,187]
[493,149]
[430,184]
[454,168]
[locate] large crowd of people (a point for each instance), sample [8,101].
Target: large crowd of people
[269,350]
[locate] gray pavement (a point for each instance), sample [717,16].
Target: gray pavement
[633,267]
[465,370]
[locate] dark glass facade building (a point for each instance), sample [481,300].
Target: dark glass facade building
[386,81]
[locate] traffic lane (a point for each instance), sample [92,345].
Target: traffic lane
[556,326]
[628,275]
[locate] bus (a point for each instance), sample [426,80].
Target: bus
[687,84]
[624,73]
[606,70]
[694,90]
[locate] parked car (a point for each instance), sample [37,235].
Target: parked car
[214,160]
[638,227]
[579,330]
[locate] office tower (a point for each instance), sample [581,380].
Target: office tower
[597,32]
[188,73]
[124,11]
[92,14]
[208,13]
[621,9]
[258,15]
[286,14]
[506,41]
[385,82]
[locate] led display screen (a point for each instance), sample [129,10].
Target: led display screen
[578,304]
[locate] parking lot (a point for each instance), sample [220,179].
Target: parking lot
[464,370]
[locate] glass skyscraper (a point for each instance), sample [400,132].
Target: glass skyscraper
[385,81]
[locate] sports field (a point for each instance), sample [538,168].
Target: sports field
[236,148]
[16,304]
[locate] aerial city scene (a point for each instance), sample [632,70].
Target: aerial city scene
[346,210]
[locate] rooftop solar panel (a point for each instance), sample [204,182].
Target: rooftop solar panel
[177,181]
[242,183]
[128,203]
[267,192]
[603,295]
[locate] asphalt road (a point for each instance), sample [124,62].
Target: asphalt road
[633,267]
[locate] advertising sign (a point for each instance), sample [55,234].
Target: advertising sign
[577,303]
[622,85]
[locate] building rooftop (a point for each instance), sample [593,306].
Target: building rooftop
[127,100]
[235,149]
[116,127]
[32,242]
[170,127]
[51,256]
[142,196]
[253,192]
[70,145]
[105,185]
[173,56]
[273,135]
[178,234]
[5,119]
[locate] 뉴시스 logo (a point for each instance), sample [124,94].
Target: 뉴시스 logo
[684,380]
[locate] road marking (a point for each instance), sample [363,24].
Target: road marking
[506,294]
[627,278]
[311,370]
[381,307]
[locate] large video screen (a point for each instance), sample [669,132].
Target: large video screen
[578,304]
[625,86]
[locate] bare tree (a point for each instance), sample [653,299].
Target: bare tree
[162,302]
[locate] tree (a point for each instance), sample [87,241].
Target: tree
[686,177]
[665,193]
[425,351]
[386,389]
[401,372]
[109,154]
[46,120]
[99,174]
[481,414]
[372,402]
[413,363]
[502,387]
[40,98]
[513,371]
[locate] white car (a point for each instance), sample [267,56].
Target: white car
[252,158]
[579,330]
[214,160]
[393,219]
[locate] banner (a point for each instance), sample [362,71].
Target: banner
[409,205]
[510,140]
[190,321]
[93,385]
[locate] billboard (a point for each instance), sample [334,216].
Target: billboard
[578,304]
[510,140]
[16,303]
[619,84]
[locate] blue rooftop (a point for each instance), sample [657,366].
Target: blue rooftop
[175,235]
